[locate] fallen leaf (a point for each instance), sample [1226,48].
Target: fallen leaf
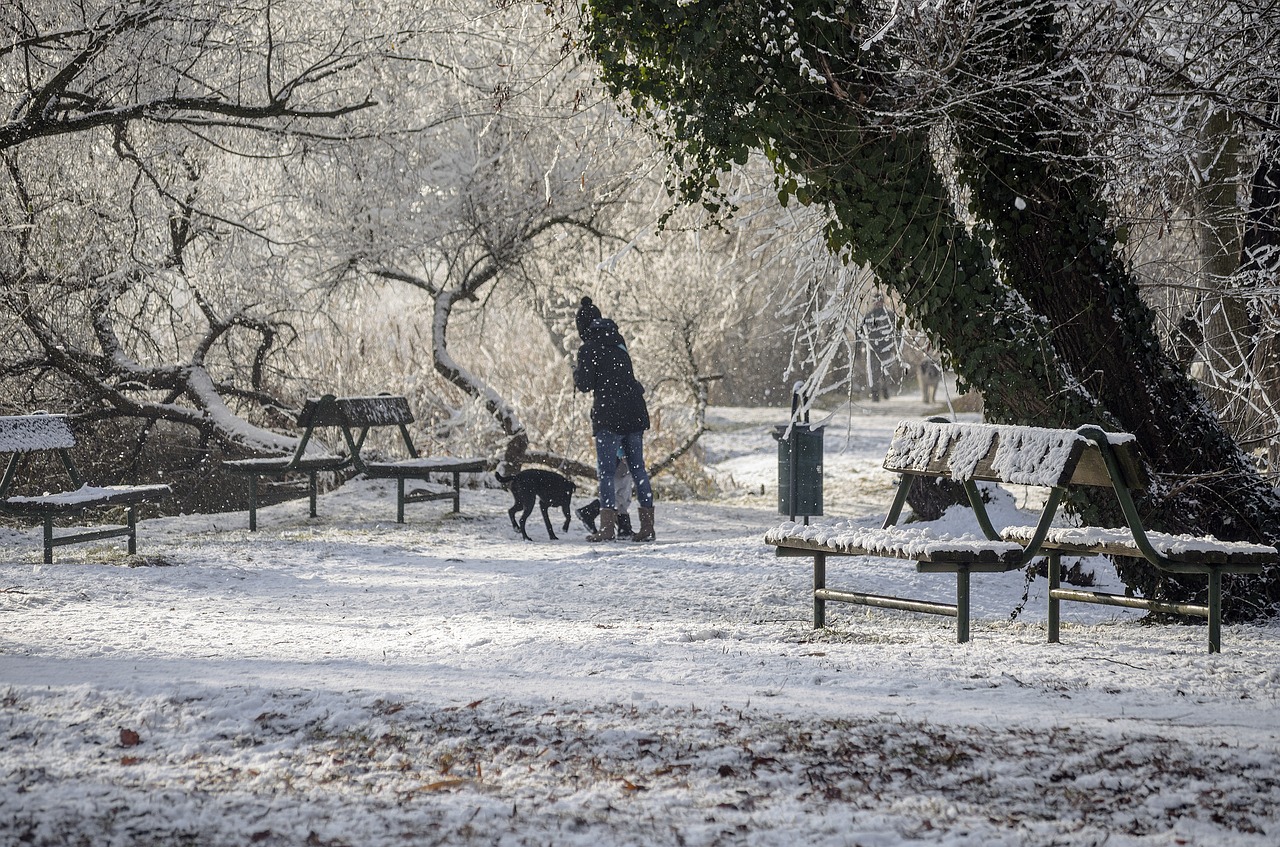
[129,738]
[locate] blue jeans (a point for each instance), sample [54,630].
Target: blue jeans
[632,444]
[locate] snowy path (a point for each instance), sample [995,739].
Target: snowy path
[348,681]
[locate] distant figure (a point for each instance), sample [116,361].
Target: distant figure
[929,374]
[879,335]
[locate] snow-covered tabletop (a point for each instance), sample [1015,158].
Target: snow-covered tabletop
[316,461]
[25,433]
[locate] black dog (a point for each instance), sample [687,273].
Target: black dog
[547,488]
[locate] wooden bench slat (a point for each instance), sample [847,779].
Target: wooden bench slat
[85,497]
[267,464]
[1008,454]
[422,465]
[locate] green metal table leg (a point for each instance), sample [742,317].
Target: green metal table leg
[962,605]
[253,502]
[1215,611]
[133,529]
[48,540]
[313,490]
[400,500]
[1055,605]
[819,582]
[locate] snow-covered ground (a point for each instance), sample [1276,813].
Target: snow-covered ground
[350,681]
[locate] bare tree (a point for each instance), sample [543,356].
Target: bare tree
[514,207]
[143,221]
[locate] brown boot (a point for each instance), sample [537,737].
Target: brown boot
[646,525]
[608,525]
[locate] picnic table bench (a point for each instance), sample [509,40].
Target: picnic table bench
[1054,459]
[23,436]
[356,417]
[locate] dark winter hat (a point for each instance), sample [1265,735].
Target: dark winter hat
[587,313]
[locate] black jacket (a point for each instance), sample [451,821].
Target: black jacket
[604,367]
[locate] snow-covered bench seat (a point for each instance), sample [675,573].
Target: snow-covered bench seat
[920,543]
[1055,459]
[932,551]
[24,435]
[355,417]
[1175,554]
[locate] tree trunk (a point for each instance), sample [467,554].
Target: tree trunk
[1031,305]
[1224,314]
[1053,244]
[1260,263]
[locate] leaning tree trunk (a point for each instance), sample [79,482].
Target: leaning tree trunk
[1058,337]
[517,451]
[1051,239]
[1071,343]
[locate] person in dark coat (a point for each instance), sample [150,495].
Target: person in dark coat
[619,417]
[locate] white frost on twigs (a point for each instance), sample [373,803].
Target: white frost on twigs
[884,30]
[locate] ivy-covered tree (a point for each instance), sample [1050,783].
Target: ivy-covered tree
[945,151]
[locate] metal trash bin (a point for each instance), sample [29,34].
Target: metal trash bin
[799,470]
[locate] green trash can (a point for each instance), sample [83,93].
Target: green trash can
[799,470]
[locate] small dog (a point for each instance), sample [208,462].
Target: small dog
[546,488]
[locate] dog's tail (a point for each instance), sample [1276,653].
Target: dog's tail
[503,479]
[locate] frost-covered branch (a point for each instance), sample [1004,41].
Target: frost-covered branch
[172,63]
